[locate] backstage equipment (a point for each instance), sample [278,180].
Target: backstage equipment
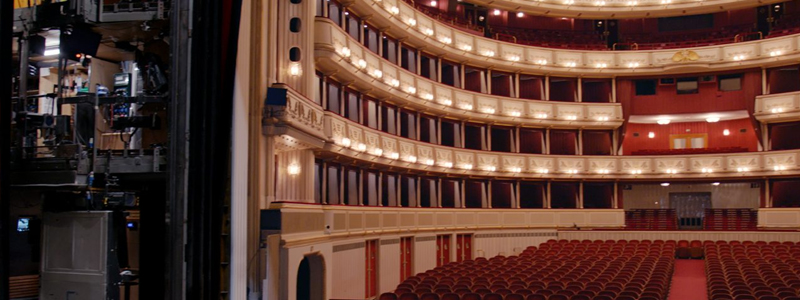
[81,255]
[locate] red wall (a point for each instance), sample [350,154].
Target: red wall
[722,19]
[708,99]
[716,139]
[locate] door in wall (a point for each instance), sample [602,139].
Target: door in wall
[406,262]
[463,247]
[690,208]
[371,268]
[442,250]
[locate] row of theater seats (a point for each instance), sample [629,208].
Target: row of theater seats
[557,270]
[689,151]
[714,219]
[750,271]
[702,38]
[651,219]
[730,219]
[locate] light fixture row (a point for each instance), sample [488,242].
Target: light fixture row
[361,64]
[361,147]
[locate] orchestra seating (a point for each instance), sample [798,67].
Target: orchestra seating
[557,270]
[730,219]
[651,219]
[747,270]
[689,151]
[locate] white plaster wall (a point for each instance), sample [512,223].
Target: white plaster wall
[725,195]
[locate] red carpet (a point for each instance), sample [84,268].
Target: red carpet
[689,280]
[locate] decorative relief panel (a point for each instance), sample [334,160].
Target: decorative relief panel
[780,162]
[539,164]
[513,163]
[569,165]
[487,162]
[664,165]
[706,164]
[464,160]
[743,163]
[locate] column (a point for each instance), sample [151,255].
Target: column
[614,90]
[517,139]
[547,87]
[580,141]
[767,196]
[324,186]
[548,203]
[489,137]
[463,198]
[418,181]
[519,197]
[615,142]
[361,187]
[547,141]
[580,89]
[380,188]
[439,192]
[516,85]
[765,140]
[764,82]
[580,194]
[489,81]
[489,194]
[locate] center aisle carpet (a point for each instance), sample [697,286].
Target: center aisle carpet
[689,280]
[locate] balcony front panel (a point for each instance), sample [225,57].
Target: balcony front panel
[404,22]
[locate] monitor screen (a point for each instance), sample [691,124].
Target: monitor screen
[23,224]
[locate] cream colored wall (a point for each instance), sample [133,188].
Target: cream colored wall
[389,265]
[508,243]
[349,273]
[725,195]
[424,254]
[298,187]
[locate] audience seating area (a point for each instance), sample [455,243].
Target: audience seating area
[651,219]
[689,151]
[579,40]
[730,219]
[689,250]
[747,270]
[557,270]
[692,39]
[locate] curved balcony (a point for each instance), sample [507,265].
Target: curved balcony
[417,29]
[620,9]
[775,108]
[346,60]
[344,138]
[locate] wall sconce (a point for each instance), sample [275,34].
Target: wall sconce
[726,132]
[294,69]
[663,122]
[293,169]
[651,135]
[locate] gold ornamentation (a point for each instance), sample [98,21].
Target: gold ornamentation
[685,55]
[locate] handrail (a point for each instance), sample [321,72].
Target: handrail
[497,36]
[740,37]
[634,46]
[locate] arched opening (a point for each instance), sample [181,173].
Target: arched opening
[311,278]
